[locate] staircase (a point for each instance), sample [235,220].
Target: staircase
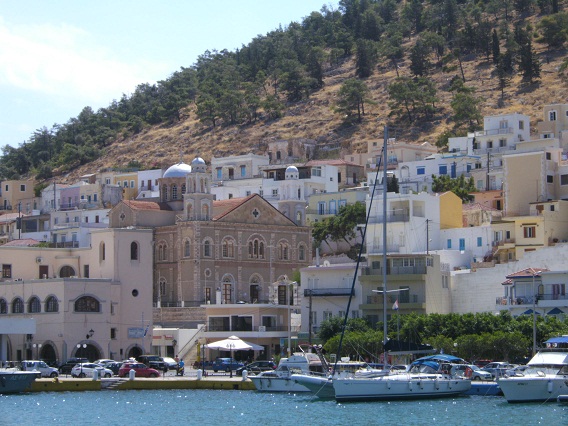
[112,383]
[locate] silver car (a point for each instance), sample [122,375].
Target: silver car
[88,368]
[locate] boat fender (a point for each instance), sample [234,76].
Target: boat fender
[549,386]
[436,384]
[410,386]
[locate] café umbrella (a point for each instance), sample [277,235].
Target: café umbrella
[233,343]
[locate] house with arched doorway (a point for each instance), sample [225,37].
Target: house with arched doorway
[93,302]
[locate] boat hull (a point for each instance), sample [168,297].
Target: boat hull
[398,388]
[277,384]
[320,386]
[16,381]
[534,389]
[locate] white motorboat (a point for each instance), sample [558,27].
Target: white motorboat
[546,377]
[428,377]
[280,380]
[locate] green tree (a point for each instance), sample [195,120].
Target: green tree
[495,49]
[554,30]
[351,99]
[529,66]
[466,109]
[459,186]
[365,58]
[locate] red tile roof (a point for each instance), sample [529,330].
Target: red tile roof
[147,205]
[527,273]
[26,242]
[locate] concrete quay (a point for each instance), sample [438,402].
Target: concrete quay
[189,381]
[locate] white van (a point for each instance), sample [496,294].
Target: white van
[44,369]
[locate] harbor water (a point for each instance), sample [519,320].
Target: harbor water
[222,407]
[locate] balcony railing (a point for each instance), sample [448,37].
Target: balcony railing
[328,292]
[529,300]
[395,270]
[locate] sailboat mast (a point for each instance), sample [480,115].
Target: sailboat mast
[385,339]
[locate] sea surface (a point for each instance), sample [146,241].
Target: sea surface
[222,407]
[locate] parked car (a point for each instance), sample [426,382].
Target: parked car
[226,364]
[142,370]
[170,362]
[476,372]
[66,367]
[153,361]
[497,369]
[87,369]
[516,371]
[481,362]
[41,367]
[257,367]
[103,361]
[113,366]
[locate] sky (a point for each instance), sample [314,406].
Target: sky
[58,56]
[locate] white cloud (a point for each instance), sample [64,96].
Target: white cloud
[68,62]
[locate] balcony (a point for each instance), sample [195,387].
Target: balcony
[542,300]
[395,270]
[493,132]
[393,217]
[328,292]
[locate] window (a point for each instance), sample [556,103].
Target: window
[302,252]
[51,304]
[174,192]
[549,179]
[87,304]
[333,207]
[321,207]
[443,169]
[462,244]
[327,315]
[563,179]
[551,115]
[275,192]
[479,241]
[529,231]
[283,251]
[132,184]
[6,271]
[18,306]
[186,249]
[502,142]
[34,305]
[163,287]
[134,250]
[85,271]
[67,271]
[489,144]
[162,251]
[548,156]
[316,171]
[125,184]
[243,171]
[219,173]
[228,248]
[102,252]
[3,307]
[22,188]
[227,292]
[421,170]
[503,124]
[521,125]
[113,333]
[449,244]
[207,249]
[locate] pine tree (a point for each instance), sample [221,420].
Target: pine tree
[529,66]
[496,50]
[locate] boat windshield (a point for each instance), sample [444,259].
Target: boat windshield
[548,369]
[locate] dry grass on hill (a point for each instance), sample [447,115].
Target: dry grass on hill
[161,146]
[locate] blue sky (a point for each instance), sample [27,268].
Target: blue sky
[58,56]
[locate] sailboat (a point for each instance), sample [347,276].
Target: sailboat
[428,377]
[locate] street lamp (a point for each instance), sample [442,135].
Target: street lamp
[231,346]
[37,346]
[534,312]
[79,346]
[290,302]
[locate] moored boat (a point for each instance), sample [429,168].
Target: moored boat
[14,381]
[546,377]
[428,377]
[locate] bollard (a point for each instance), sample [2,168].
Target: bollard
[95,375]
[199,374]
[131,374]
[245,375]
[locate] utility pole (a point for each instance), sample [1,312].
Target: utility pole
[427,237]
[487,178]
[310,318]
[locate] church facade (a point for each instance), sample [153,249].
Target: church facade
[214,252]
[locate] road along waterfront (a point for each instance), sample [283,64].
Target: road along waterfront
[235,407]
